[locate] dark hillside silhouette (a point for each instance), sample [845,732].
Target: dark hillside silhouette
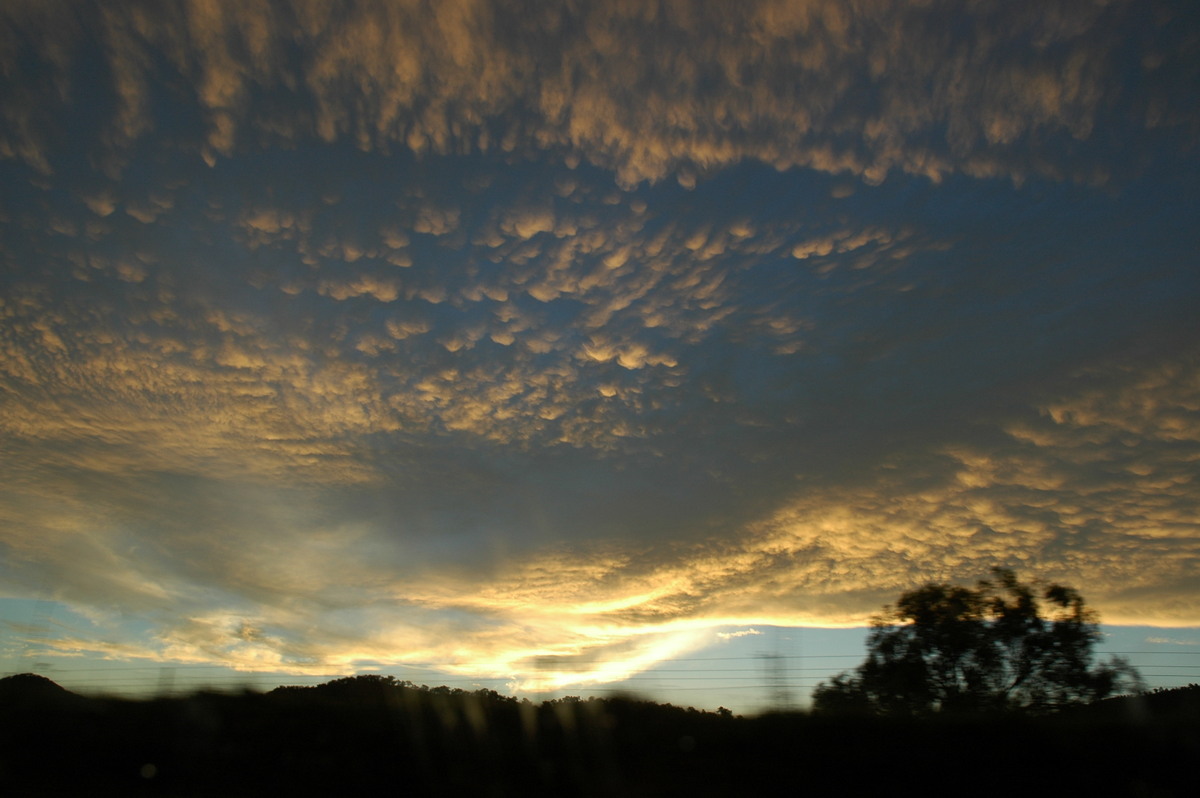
[29,690]
[1164,705]
[376,735]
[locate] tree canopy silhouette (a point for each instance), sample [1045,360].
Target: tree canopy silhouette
[1000,646]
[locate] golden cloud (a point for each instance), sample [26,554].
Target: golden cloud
[1066,498]
[864,89]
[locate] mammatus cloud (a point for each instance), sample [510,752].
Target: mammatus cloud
[285,329]
[865,88]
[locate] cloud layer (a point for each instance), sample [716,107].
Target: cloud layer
[463,337]
[864,88]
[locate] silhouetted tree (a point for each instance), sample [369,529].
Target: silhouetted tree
[947,648]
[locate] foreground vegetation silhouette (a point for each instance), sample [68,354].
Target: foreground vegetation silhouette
[374,735]
[999,647]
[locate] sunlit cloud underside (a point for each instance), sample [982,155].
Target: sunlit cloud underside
[540,343]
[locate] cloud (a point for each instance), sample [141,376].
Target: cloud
[383,289]
[741,633]
[1172,641]
[528,223]
[867,90]
[325,597]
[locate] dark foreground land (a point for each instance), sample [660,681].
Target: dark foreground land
[370,735]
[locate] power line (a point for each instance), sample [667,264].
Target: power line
[718,674]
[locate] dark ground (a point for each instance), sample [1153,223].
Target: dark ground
[369,735]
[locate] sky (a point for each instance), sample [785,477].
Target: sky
[555,346]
